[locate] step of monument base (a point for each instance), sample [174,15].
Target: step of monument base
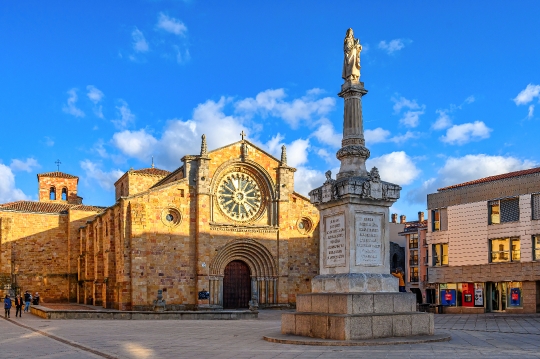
[356,303]
[357,326]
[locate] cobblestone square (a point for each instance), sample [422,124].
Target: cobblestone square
[473,336]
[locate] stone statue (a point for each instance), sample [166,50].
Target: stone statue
[351,60]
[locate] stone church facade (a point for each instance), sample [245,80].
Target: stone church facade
[224,228]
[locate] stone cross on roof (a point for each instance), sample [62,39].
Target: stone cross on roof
[58,163]
[243,134]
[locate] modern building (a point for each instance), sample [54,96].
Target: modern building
[417,259]
[484,244]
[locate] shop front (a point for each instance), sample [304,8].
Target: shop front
[480,297]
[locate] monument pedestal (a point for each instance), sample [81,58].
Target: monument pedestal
[356,316]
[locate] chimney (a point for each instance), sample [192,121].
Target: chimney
[421,216]
[394,217]
[402,219]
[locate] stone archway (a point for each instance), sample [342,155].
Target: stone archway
[261,266]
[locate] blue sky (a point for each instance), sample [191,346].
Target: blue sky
[104,86]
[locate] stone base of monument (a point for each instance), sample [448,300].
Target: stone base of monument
[357,316]
[353,283]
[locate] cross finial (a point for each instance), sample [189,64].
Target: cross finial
[58,163]
[152,161]
[243,134]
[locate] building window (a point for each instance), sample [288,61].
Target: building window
[504,210]
[414,275]
[426,257]
[64,194]
[52,194]
[536,247]
[413,258]
[439,220]
[505,250]
[413,240]
[535,206]
[440,254]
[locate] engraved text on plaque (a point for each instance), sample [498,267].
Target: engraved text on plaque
[368,239]
[334,239]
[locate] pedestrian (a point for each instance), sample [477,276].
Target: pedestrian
[27,300]
[18,306]
[36,299]
[7,305]
[399,275]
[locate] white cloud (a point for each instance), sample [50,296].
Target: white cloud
[8,191]
[28,166]
[297,152]
[271,102]
[470,99]
[528,94]
[306,179]
[70,107]
[467,132]
[411,117]
[392,46]
[138,144]
[531,111]
[380,135]
[49,142]
[395,167]
[95,95]
[104,179]
[443,121]
[125,115]
[327,135]
[273,146]
[139,42]
[458,170]
[170,24]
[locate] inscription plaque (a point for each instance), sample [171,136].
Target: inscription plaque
[368,234]
[334,239]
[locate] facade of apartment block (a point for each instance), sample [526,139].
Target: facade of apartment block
[483,240]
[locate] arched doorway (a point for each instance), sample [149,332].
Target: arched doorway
[236,285]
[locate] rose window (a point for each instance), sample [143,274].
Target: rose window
[239,196]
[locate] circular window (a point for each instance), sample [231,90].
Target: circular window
[171,217]
[239,196]
[304,225]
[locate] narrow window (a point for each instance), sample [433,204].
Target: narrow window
[494,212]
[414,274]
[122,190]
[535,206]
[52,194]
[413,241]
[436,220]
[64,194]
[413,258]
[536,247]
[440,254]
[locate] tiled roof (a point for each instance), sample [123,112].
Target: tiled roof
[151,171]
[56,174]
[494,178]
[84,207]
[177,172]
[36,207]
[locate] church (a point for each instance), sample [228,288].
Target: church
[224,228]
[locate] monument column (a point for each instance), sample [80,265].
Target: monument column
[355,297]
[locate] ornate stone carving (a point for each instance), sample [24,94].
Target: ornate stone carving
[351,60]
[283,155]
[239,196]
[353,150]
[204,148]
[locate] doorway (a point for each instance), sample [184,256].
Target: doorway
[496,296]
[236,285]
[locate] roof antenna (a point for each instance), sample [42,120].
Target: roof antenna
[58,163]
[152,161]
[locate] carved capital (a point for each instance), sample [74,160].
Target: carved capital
[353,151]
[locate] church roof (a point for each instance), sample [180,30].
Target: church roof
[36,207]
[56,174]
[46,207]
[152,171]
[494,178]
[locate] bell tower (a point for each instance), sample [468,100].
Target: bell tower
[58,187]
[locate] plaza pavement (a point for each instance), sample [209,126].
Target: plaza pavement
[473,336]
